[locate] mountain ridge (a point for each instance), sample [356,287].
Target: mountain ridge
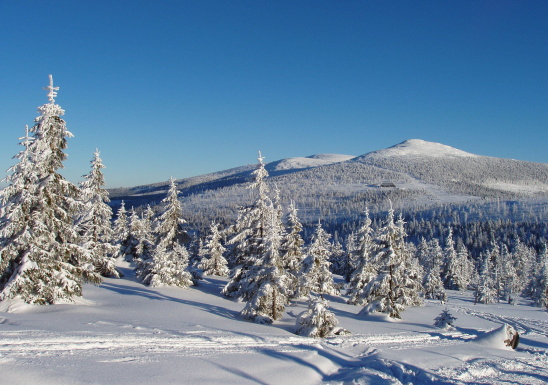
[334,187]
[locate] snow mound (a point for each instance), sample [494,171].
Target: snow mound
[310,161]
[499,338]
[418,147]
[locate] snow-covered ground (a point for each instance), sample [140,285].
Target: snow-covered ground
[127,333]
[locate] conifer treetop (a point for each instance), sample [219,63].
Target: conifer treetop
[52,94]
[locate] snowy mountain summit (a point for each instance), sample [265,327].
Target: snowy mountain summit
[418,147]
[309,161]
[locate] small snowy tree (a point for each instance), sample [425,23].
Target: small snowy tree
[318,321]
[315,275]
[169,262]
[445,320]
[213,262]
[94,220]
[46,261]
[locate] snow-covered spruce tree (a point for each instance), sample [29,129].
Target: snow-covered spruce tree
[445,320]
[432,258]
[94,220]
[484,287]
[16,200]
[338,258]
[450,270]
[365,270]
[395,285]
[315,275]
[350,255]
[213,262]
[539,285]
[40,244]
[318,321]
[266,283]
[121,230]
[169,263]
[249,233]
[465,268]
[293,247]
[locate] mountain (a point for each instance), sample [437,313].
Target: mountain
[338,187]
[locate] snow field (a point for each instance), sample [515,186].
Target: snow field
[125,332]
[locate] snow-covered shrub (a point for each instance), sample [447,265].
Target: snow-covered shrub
[318,321]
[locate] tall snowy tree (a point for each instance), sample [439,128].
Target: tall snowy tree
[365,270]
[266,285]
[169,262]
[40,243]
[121,230]
[293,247]
[432,259]
[395,285]
[94,220]
[213,262]
[249,235]
[315,275]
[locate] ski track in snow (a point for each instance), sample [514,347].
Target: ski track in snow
[136,346]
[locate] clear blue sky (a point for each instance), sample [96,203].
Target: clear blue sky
[182,88]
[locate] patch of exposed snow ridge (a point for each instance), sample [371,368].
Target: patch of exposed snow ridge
[413,147]
[311,161]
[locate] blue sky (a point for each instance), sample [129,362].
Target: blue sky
[182,88]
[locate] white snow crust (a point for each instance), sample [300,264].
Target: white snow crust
[127,333]
[419,147]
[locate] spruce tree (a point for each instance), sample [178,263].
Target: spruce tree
[293,247]
[318,321]
[41,249]
[94,220]
[315,275]
[395,285]
[121,230]
[266,286]
[365,270]
[212,260]
[249,235]
[169,262]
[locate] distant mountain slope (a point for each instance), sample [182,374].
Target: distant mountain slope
[337,187]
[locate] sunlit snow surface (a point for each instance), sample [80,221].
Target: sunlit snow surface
[126,333]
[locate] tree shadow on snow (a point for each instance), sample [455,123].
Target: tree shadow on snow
[157,296]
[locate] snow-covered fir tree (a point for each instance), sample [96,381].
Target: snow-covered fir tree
[293,247]
[94,220]
[450,271]
[539,284]
[365,271]
[121,230]
[318,321]
[338,258]
[395,285]
[350,255]
[484,288]
[40,245]
[16,199]
[169,262]
[249,233]
[315,275]
[266,285]
[445,320]
[431,255]
[212,260]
